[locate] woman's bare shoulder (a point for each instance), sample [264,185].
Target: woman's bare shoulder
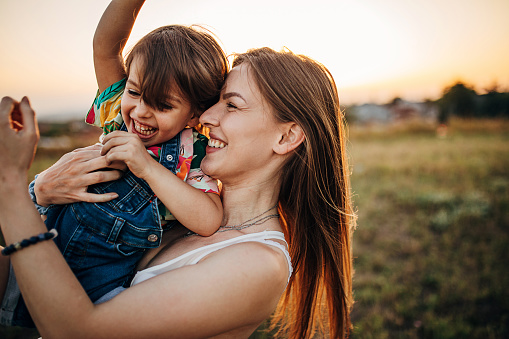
[259,260]
[234,288]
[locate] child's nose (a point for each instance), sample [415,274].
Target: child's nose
[142,109]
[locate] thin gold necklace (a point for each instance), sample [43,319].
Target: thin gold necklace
[256,220]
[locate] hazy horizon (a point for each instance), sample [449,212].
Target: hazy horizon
[375,50]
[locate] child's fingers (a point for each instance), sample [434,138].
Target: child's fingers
[114,139]
[117,154]
[113,135]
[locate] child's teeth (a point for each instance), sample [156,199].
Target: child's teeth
[145,130]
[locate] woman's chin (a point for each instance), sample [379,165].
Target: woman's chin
[207,168]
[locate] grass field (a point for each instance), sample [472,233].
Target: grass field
[432,243]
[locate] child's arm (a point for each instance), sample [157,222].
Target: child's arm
[110,38]
[198,211]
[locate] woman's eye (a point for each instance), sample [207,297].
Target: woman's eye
[229,105]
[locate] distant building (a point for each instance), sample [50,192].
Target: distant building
[397,111]
[406,110]
[370,113]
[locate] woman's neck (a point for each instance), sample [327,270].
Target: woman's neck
[242,202]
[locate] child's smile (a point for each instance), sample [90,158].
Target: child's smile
[143,131]
[154,125]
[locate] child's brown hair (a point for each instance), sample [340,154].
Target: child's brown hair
[180,56]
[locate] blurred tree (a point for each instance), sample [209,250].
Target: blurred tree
[459,100]
[395,101]
[495,103]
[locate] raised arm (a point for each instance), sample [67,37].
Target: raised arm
[110,38]
[67,180]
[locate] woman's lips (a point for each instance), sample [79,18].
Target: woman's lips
[216,143]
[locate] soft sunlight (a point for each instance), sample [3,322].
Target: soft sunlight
[375,50]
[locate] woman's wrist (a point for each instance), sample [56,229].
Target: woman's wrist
[12,180]
[12,188]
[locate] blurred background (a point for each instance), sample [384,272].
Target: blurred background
[424,88]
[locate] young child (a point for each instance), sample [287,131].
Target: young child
[147,112]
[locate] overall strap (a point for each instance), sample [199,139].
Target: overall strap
[170,151]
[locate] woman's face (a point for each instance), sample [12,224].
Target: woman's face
[243,130]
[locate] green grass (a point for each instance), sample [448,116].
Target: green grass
[432,243]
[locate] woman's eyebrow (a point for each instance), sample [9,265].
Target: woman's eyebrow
[233,94]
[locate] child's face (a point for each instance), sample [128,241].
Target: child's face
[152,125]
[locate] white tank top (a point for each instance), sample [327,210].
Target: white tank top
[194,256]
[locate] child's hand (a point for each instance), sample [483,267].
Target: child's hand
[127,147]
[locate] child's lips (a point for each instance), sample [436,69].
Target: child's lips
[143,130]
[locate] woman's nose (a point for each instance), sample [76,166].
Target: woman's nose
[211,116]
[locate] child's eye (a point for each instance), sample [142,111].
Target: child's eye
[166,107]
[133,92]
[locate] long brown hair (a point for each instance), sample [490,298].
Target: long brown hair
[314,201]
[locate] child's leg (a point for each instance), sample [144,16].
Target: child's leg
[13,311]
[4,273]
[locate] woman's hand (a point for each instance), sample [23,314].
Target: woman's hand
[68,179]
[19,135]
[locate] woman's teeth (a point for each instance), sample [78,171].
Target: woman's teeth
[143,129]
[216,143]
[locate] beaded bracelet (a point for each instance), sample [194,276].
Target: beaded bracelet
[30,241]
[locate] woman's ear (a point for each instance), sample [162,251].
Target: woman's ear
[291,137]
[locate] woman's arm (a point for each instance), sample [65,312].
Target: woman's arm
[234,288]
[18,217]
[110,38]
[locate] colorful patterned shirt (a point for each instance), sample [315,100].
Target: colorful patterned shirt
[105,113]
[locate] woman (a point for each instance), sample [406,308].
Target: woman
[277,142]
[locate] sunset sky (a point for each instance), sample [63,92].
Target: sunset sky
[376,50]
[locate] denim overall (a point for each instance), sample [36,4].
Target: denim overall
[102,242]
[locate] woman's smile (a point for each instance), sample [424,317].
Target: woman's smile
[216,143]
